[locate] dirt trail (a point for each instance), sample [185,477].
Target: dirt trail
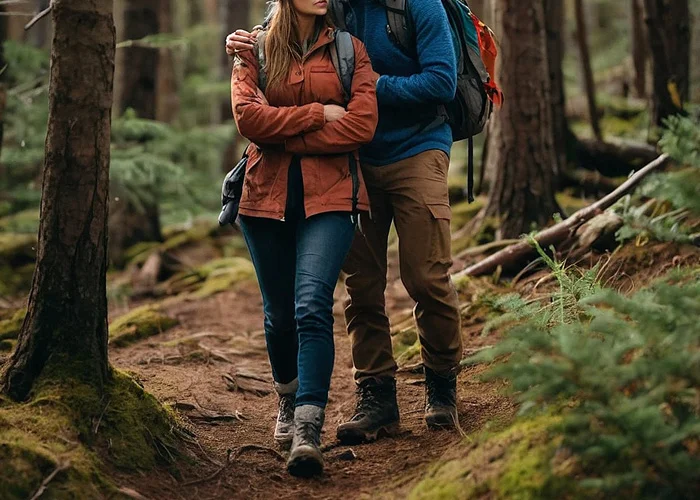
[221,336]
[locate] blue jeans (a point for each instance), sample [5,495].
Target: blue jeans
[298,262]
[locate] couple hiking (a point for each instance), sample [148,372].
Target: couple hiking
[333,161]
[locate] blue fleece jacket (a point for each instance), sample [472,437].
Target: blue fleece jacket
[409,89]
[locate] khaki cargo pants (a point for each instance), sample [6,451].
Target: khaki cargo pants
[413,194]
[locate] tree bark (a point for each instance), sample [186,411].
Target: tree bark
[639,49]
[65,331]
[587,70]
[554,20]
[521,151]
[668,29]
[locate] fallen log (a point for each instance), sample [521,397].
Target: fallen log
[514,254]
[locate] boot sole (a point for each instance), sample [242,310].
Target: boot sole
[441,421]
[285,443]
[305,466]
[359,436]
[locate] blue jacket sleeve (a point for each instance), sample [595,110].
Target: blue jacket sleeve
[437,80]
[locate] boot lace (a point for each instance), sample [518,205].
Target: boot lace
[286,408]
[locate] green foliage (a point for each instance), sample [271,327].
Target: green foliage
[626,372]
[681,139]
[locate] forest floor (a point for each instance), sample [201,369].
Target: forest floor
[218,341]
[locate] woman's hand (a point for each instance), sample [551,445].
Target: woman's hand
[333,112]
[241,40]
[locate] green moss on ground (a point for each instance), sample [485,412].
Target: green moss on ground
[175,238]
[68,427]
[138,324]
[525,461]
[17,254]
[464,211]
[213,277]
[404,340]
[9,328]
[26,221]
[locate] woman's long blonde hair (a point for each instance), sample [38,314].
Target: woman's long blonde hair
[282,43]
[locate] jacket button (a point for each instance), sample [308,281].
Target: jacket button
[298,73]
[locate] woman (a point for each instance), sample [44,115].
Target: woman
[298,203]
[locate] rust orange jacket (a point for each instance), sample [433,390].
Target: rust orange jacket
[292,122]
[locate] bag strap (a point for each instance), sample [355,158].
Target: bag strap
[400,24]
[343,58]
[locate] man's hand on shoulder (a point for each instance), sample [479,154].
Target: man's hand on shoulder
[241,40]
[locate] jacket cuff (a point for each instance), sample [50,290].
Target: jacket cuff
[318,116]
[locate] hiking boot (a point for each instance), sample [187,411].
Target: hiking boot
[284,429]
[440,399]
[305,458]
[376,412]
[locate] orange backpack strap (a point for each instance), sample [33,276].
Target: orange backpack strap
[489,54]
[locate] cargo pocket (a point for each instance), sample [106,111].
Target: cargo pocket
[440,238]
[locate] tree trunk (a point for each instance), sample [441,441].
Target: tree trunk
[137,86]
[65,331]
[3,87]
[167,97]
[522,149]
[554,20]
[587,70]
[639,49]
[668,29]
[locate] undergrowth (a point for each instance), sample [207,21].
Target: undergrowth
[623,373]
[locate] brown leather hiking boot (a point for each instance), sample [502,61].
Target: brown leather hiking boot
[376,412]
[440,399]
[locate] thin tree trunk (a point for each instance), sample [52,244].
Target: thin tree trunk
[668,30]
[167,97]
[582,39]
[522,151]
[554,20]
[639,49]
[65,331]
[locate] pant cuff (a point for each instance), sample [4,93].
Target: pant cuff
[288,388]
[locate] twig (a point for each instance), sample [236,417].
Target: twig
[41,15]
[99,420]
[45,483]
[556,233]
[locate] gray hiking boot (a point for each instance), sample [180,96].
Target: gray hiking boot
[440,399]
[376,412]
[305,458]
[284,430]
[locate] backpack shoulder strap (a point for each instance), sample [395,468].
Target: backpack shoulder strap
[260,49]
[343,57]
[400,24]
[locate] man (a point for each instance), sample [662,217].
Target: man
[405,169]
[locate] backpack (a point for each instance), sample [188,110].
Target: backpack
[342,54]
[476,52]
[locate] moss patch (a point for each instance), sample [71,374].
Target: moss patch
[216,276]
[525,461]
[26,221]
[404,340]
[68,427]
[139,324]
[9,328]
[17,254]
